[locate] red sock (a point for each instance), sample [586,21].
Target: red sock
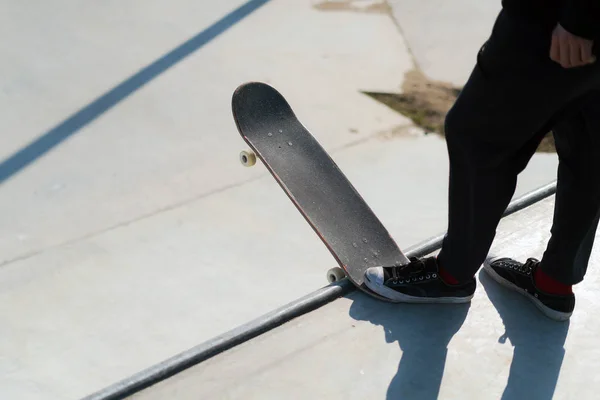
[446,277]
[549,284]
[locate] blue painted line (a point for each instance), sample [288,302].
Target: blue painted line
[55,136]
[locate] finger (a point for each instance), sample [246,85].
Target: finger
[565,55]
[555,50]
[587,55]
[575,54]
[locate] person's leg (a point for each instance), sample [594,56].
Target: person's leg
[508,103]
[577,205]
[577,201]
[477,199]
[514,96]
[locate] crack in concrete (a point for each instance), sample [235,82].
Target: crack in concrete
[360,6]
[160,210]
[172,206]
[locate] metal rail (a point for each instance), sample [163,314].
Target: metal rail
[273,319]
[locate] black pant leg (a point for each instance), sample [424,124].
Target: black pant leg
[512,98]
[577,203]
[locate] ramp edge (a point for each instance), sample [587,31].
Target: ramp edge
[275,318]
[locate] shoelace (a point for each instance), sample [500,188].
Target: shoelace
[413,272]
[526,268]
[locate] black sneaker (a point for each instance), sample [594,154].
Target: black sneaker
[417,282]
[519,277]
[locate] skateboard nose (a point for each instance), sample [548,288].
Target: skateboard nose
[375,275]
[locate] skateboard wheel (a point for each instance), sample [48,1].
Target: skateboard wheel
[335,274]
[247,158]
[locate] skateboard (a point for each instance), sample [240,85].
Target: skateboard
[314,183]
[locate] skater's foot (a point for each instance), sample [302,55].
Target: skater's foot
[417,282]
[521,278]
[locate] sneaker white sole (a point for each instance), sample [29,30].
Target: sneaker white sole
[394,296]
[547,311]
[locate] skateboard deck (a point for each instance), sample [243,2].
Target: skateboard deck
[308,175]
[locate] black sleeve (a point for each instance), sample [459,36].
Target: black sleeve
[581,18]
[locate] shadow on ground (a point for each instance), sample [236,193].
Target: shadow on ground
[538,344]
[423,333]
[44,143]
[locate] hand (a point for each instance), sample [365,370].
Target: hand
[570,50]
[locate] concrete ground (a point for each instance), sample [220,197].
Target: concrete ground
[129,232]
[445,36]
[497,347]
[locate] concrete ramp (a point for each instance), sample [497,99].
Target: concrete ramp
[499,346]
